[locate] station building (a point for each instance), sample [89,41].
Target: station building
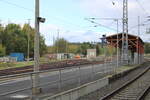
[135,46]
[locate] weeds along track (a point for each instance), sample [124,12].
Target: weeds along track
[133,89]
[48,66]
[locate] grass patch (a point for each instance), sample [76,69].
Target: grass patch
[124,68]
[6,65]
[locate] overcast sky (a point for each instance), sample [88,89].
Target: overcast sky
[68,16]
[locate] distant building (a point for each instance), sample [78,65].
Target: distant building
[60,56]
[8,59]
[65,56]
[18,56]
[91,53]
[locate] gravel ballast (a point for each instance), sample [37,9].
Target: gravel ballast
[115,83]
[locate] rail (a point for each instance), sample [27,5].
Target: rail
[145,92]
[124,86]
[95,72]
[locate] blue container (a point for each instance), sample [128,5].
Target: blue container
[19,56]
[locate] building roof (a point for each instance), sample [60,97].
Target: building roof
[134,42]
[130,36]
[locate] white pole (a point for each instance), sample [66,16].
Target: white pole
[117,46]
[138,39]
[28,51]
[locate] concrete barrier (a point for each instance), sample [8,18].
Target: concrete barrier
[75,93]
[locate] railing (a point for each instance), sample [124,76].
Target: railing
[56,80]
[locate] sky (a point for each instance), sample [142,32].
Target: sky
[68,17]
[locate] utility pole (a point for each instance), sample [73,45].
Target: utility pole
[54,44]
[57,41]
[117,23]
[28,50]
[0,22]
[138,39]
[0,38]
[117,43]
[36,89]
[148,29]
[66,47]
[125,32]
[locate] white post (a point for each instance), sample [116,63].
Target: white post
[117,45]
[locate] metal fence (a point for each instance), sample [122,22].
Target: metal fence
[53,81]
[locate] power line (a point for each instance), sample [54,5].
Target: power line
[140,5]
[16,5]
[101,25]
[62,20]
[141,24]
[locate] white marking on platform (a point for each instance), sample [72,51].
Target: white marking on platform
[18,96]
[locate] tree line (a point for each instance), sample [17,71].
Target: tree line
[147,48]
[63,46]
[14,38]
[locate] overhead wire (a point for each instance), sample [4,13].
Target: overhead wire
[60,19]
[16,5]
[101,25]
[140,5]
[22,7]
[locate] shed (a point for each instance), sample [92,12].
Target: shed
[19,56]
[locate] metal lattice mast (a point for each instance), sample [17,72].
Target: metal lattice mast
[125,31]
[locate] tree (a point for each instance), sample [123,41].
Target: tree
[11,38]
[43,47]
[15,39]
[147,48]
[1,32]
[28,30]
[98,49]
[73,48]
[60,45]
[86,45]
[2,50]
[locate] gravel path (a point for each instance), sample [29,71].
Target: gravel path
[107,89]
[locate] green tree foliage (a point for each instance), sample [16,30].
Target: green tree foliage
[2,50]
[15,39]
[60,46]
[29,32]
[63,46]
[11,38]
[43,47]
[73,48]
[86,45]
[98,51]
[1,32]
[147,48]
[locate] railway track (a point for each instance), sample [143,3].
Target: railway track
[54,65]
[146,95]
[135,89]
